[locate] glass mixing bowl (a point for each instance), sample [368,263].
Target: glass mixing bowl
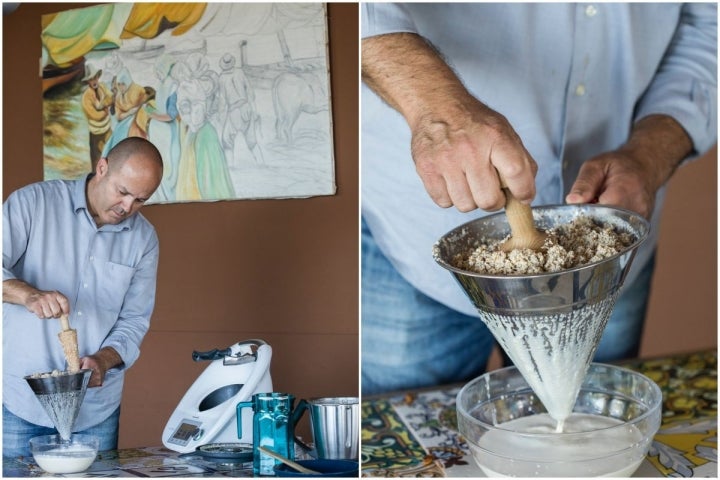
[55,455]
[614,419]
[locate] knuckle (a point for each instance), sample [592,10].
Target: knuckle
[443,202]
[439,196]
[465,207]
[490,201]
[512,170]
[425,168]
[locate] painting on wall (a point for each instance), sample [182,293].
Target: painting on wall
[236,96]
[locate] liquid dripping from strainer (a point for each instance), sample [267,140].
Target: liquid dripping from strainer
[62,408]
[553,352]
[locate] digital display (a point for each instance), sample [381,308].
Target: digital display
[185,432]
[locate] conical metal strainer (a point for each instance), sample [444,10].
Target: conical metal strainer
[61,394]
[548,324]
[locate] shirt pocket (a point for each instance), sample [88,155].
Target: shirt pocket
[113,281]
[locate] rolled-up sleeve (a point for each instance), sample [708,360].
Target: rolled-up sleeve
[382,18]
[685,86]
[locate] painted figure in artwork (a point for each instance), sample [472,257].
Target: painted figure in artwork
[239,134]
[140,125]
[97,101]
[129,97]
[203,170]
[295,93]
[166,129]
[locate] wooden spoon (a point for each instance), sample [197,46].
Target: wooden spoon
[68,340]
[287,461]
[519,215]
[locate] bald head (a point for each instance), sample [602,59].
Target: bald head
[134,147]
[124,180]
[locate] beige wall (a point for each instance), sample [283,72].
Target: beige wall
[285,271]
[682,315]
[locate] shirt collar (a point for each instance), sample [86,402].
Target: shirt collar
[79,200]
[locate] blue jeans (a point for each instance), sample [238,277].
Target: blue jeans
[410,340]
[18,432]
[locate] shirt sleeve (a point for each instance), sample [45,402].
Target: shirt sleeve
[16,224]
[382,18]
[685,86]
[134,319]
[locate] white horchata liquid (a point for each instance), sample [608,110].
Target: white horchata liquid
[610,452]
[553,352]
[66,459]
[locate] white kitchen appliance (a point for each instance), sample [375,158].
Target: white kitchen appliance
[207,412]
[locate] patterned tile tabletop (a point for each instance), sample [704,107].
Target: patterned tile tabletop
[415,435]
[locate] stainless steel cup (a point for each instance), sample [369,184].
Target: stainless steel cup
[335,423]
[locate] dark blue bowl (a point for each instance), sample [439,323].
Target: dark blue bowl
[325,468]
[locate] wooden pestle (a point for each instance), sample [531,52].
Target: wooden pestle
[519,215]
[68,340]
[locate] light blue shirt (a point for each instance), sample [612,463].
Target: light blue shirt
[108,274]
[570,78]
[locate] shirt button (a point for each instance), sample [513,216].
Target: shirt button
[85,285]
[590,10]
[80,314]
[580,90]
[92,258]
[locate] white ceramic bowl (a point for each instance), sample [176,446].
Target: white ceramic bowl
[627,402]
[54,455]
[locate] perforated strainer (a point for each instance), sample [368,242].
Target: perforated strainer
[61,394]
[548,324]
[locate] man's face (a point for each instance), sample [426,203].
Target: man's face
[121,192]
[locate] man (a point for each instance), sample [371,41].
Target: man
[96,101]
[79,248]
[567,102]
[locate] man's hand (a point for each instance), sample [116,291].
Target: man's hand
[630,176]
[459,145]
[615,178]
[100,362]
[44,304]
[459,156]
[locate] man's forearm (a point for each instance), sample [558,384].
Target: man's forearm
[100,362]
[660,142]
[408,74]
[107,358]
[44,304]
[459,145]
[16,291]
